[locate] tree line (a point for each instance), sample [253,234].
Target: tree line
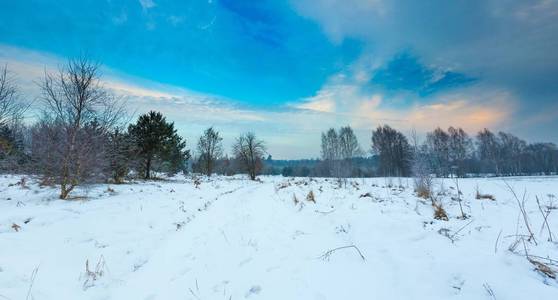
[443,153]
[83,134]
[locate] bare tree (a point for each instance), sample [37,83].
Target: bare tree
[78,113]
[330,145]
[210,150]
[348,150]
[541,158]
[249,151]
[393,149]
[460,148]
[420,167]
[438,147]
[348,143]
[488,146]
[12,107]
[12,129]
[46,148]
[510,150]
[331,153]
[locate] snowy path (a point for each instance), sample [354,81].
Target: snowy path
[235,239]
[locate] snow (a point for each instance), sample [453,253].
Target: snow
[231,238]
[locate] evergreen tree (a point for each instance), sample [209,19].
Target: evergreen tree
[157,142]
[174,156]
[7,141]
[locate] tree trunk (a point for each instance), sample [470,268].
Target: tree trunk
[65,190]
[147,168]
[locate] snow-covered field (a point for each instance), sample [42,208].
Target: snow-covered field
[230,238]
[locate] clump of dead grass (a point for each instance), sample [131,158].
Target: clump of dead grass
[310,197]
[91,276]
[423,192]
[480,196]
[366,195]
[439,211]
[543,268]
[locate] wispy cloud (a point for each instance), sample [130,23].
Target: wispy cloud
[510,50]
[147,4]
[349,98]
[175,20]
[120,19]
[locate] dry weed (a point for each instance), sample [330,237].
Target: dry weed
[310,197]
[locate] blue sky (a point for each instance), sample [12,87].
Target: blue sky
[290,69]
[261,52]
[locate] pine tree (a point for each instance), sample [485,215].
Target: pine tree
[157,142]
[174,155]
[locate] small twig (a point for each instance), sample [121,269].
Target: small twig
[324,212]
[463,227]
[489,290]
[33,275]
[550,260]
[521,205]
[545,217]
[194,294]
[328,253]
[463,215]
[225,236]
[525,248]
[496,243]
[517,236]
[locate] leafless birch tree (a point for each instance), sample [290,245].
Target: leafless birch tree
[78,114]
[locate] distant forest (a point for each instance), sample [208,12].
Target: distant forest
[443,154]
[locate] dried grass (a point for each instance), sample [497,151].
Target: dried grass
[439,212]
[423,192]
[543,268]
[310,197]
[480,196]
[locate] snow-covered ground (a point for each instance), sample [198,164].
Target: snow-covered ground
[230,238]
